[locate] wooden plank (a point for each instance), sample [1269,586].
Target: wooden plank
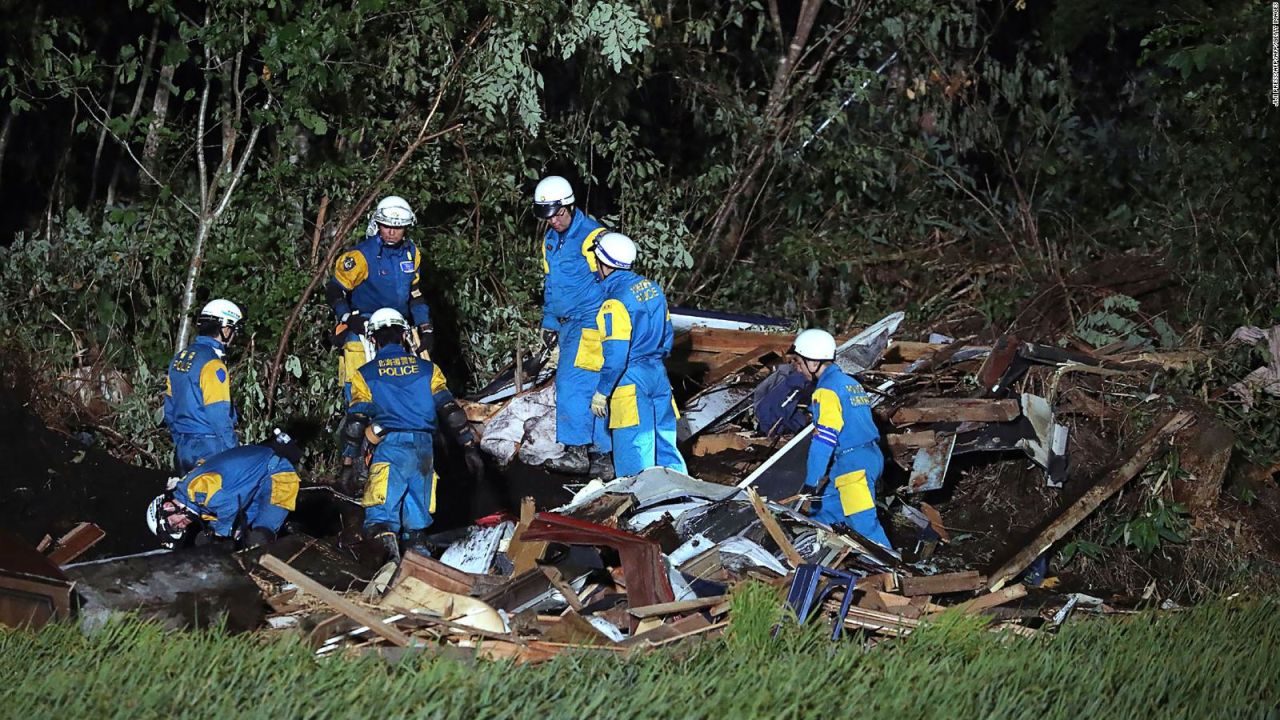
[774,529]
[575,629]
[679,606]
[525,554]
[435,573]
[738,363]
[957,410]
[559,583]
[909,351]
[711,444]
[1142,454]
[736,341]
[935,521]
[993,599]
[334,600]
[942,584]
[902,442]
[76,543]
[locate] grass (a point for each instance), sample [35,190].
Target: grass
[1217,660]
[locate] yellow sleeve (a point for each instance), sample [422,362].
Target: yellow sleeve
[206,485]
[613,321]
[360,392]
[351,269]
[588,246]
[215,385]
[284,489]
[546,266]
[830,412]
[438,382]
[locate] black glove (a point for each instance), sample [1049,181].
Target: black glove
[355,322]
[426,338]
[549,338]
[475,462]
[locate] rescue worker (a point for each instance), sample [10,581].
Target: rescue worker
[243,495]
[400,399]
[845,446]
[197,394]
[570,299]
[383,270]
[634,391]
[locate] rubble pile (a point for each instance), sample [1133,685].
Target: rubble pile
[651,560]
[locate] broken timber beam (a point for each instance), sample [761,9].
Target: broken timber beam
[738,364]
[774,529]
[942,584]
[75,543]
[993,599]
[679,606]
[957,410]
[335,601]
[1144,453]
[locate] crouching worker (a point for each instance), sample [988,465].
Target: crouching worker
[243,494]
[402,398]
[845,445]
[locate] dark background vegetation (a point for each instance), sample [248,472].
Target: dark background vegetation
[1010,170]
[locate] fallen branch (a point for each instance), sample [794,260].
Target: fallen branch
[1143,454]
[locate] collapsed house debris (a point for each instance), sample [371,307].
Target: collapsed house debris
[650,560]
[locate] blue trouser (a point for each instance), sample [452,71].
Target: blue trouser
[401,492]
[849,497]
[642,417]
[191,448]
[576,383]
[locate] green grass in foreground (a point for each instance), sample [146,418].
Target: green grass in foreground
[1218,660]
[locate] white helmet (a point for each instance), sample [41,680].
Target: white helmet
[158,523]
[225,312]
[814,344]
[616,250]
[385,318]
[394,211]
[553,192]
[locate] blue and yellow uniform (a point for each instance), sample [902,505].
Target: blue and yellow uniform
[843,428]
[371,276]
[197,403]
[637,335]
[570,299]
[400,392]
[250,481]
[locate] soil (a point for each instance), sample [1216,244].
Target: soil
[50,481]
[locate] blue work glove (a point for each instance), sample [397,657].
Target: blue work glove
[599,405]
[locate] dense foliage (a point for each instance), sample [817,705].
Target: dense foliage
[1216,660]
[173,152]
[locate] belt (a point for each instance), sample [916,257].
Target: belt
[846,451]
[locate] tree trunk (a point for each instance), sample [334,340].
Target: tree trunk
[159,112]
[136,108]
[4,141]
[102,141]
[193,273]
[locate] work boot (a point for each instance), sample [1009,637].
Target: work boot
[600,466]
[416,540]
[573,461]
[256,536]
[381,542]
[349,482]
